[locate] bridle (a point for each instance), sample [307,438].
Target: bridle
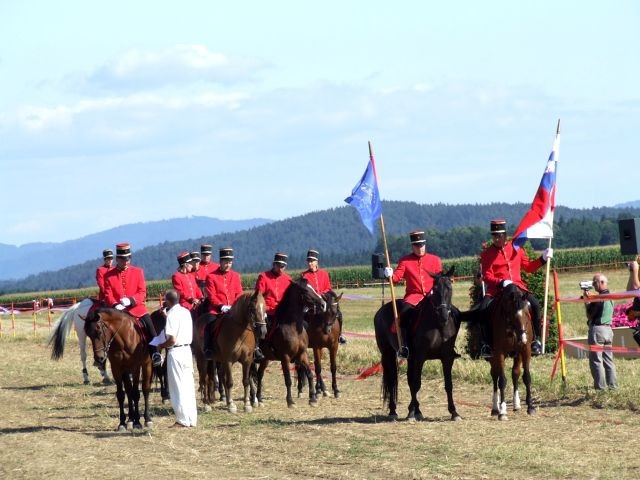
[443,310]
[102,326]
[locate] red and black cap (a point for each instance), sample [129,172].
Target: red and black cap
[195,257]
[417,237]
[123,250]
[498,226]
[206,249]
[280,258]
[183,257]
[313,255]
[107,253]
[226,253]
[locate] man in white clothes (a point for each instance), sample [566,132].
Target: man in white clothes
[179,333]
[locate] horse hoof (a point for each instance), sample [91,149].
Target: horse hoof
[261,404]
[502,417]
[456,418]
[149,424]
[393,417]
[411,419]
[207,408]
[129,426]
[419,417]
[107,381]
[325,394]
[291,404]
[86,381]
[299,394]
[313,403]
[233,409]
[336,394]
[494,413]
[121,428]
[248,408]
[137,426]
[532,410]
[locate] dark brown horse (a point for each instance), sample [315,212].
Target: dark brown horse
[115,336]
[236,342]
[159,319]
[512,331]
[287,339]
[323,331]
[433,332]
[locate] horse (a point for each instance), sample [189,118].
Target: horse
[512,330]
[115,336]
[287,339]
[434,330]
[236,342]
[323,333]
[76,314]
[208,379]
[159,320]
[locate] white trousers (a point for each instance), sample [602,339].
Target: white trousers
[181,385]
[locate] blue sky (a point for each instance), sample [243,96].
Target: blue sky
[135,111]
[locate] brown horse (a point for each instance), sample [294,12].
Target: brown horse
[512,329]
[433,332]
[159,319]
[208,380]
[287,339]
[236,342]
[115,336]
[323,331]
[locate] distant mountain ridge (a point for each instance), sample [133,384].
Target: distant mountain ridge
[17,262]
[631,204]
[341,238]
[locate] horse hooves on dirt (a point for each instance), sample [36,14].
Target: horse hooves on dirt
[86,381]
[121,428]
[233,408]
[107,381]
[207,408]
[494,413]
[532,410]
[291,404]
[248,408]
[393,417]
[325,394]
[456,418]
[149,424]
[502,417]
[129,425]
[313,403]
[137,426]
[411,419]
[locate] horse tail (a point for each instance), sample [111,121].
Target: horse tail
[389,378]
[60,332]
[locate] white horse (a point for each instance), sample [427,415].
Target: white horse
[77,314]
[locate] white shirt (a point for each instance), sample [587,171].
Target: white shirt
[179,325]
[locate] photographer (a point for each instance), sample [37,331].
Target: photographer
[599,316]
[633,313]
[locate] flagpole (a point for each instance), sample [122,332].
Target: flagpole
[396,319]
[546,283]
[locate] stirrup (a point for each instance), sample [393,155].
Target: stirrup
[156,359]
[485,351]
[342,340]
[403,352]
[536,348]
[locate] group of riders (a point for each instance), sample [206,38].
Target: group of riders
[207,287]
[204,288]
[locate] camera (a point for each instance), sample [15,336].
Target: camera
[586,285]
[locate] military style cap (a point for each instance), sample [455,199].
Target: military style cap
[313,255]
[123,250]
[498,226]
[107,253]
[183,257]
[195,257]
[417,237]
[206,249]
[280,258]
[226,253]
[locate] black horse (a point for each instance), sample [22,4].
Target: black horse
[433,333]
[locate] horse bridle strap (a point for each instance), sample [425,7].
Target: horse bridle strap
[107,345]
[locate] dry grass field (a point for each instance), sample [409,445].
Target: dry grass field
[54,427]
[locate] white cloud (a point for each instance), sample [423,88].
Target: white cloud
[178,65]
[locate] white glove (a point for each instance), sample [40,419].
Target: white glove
[547,254]
[388,272]
[120,307]
[506,282]
[225,308]
[126,301]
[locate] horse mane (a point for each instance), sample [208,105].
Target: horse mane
[510,302]
[283,310]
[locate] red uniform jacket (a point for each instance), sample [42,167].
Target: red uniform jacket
[415,271]
[319,280]
[126,283]
[223,288]
[185,284]
[205,269]
[272,288]
[100,273]
[505,264]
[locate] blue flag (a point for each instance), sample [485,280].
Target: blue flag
[366,199]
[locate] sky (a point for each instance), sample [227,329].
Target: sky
[122,112]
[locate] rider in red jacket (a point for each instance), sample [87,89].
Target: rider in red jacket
[414,269]
[101,271]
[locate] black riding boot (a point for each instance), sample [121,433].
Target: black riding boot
[536,346]
[403,351]
[341,339]
[156,358]
[258,356]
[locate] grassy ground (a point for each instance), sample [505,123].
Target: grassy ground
[53,426]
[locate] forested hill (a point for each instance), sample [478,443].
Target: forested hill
[452,230]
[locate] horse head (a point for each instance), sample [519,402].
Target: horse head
[516,311]
[258,313]
[98,332]
[308,295]
[333,309]
[441,295]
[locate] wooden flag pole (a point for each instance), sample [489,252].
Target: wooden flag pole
[396,319]
[546,282]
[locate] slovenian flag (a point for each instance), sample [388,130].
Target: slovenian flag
[538,221]
[365,197]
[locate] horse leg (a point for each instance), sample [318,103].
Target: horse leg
[287,379]
[301,379]
[390,381]
[220,384]
[526,378]
[261,369]
[82,341]
[317,363]
[502,383]
[135,394]
[164,386]
[414,374]
[120,393]
[333,351]
[495,373]
[313,399]
[246,370]
[253,381]
[447,365]
[146,388]
[228,385]
[515,377]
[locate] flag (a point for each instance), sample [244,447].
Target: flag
[366,199]
[538,221]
